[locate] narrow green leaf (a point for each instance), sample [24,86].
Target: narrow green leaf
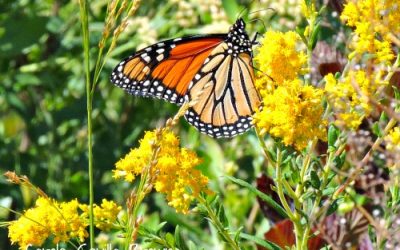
[170,239]
[314,36]
[332,208]
[237,235]
[396,93]
[315,181]
[221,215]
[192,246]
[328,191]
[179,243]
[161,225]
[333,134]
[339,161]
[376,129]
[300,31]
[384,117]
[260,194]
[259,241]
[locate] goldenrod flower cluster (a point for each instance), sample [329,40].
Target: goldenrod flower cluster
[278,58]
[104,215]
[350,96]
[291,111]
[393,139]
[61,221]
[375,21]
[172,173]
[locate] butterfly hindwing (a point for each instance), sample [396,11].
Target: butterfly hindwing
[165,70]
[226,80]
[228,99]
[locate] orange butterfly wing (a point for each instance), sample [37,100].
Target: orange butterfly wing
[166,69]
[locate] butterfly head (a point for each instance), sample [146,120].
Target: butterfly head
[238,39]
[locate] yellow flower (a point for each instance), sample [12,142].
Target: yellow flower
[48,218]
[173,173]
[308,10]
[106,214]
[279,59]
[374,21]
[393,139]
[29,228]
[350,96]
[293,113]
[63,221]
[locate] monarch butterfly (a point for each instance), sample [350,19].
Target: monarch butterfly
[175,70]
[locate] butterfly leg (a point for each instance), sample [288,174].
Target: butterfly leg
[254,41]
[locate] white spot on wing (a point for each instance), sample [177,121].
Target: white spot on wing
[147,59]
[160,57]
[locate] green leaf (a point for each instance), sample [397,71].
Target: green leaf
[384,117]
[376,129]
[396,93]
[397,97]
[333,135]
[338,161]
[221,215]
[178,239]
[315,181]
[346,206]
[260,194]
[160,226]
[314,36]
[170,239]
[332,208]
[237,235]
[259,241]
[192,246]
[307,195]
[232,9]
[328,191]
[300,31]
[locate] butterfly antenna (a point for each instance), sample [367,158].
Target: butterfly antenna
[260,10]
[243,10]
[258,19]
[264,74]
[239,15]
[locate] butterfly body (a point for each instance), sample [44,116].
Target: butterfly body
[215,69]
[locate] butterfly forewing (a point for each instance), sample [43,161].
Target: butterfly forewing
[165,70]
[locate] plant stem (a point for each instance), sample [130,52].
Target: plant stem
[263,145]
[279,187]
[85,41]
[359,169]
[220,227]
[293,215]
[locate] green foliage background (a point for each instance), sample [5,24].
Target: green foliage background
[43,113]
[43,132]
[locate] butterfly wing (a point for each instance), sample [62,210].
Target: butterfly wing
[165,70]
[229,97]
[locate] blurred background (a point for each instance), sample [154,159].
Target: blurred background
[43,104]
